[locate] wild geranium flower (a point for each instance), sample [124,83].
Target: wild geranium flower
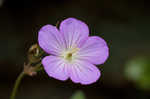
[73,54]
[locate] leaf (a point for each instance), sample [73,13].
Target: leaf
[78,95]
[137,70]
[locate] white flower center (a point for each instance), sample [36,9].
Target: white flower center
[70,55]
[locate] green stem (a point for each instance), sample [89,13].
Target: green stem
[17,83]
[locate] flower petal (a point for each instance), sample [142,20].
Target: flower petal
[75,32]
[51,40]
[94,50]
[55,67]
[84,72]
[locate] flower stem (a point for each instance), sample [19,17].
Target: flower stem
[17,83]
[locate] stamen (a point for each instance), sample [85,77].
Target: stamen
[69,55]
[74,50]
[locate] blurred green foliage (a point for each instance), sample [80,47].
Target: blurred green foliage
[78,95]
[138,71]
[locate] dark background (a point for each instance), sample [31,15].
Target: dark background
[124,24]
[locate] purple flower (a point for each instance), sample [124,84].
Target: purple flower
[73,53]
